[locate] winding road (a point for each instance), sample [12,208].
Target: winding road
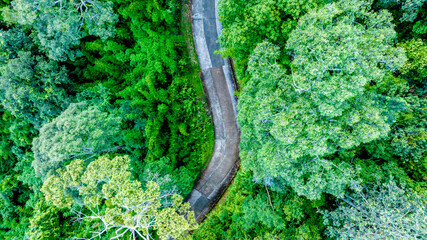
[219,86]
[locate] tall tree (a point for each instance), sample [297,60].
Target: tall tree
[80,131]
[59,24]
[388,212]
[130,209]
[48,222]
[248,23]
[322,106]
[31,85]
[416,66]
[409,8]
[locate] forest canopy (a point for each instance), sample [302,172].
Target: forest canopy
[332,111]
[105,127]
[322,106]
[98,87]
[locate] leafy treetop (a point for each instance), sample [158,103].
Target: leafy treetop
[59,24]
[323,106]
[386,212]
[80,131]
[129,208]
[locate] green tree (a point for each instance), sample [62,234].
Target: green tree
[251,211]
[388,212]
[31,86]
[407,141]
[48,222]
[420,27]
[248,23]
[147,69]
[80,131]
[409,138]
[59,24]
[129,210]
[416,66]
[323,106]
[409,8]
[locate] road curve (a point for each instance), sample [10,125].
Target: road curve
[219,85]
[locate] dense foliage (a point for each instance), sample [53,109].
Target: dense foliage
[330,108]
[58,24]
[104,125]
[322,107]
[389,212]
[128,208]
[80,131]
[80,79]
[247,23]
[32,85]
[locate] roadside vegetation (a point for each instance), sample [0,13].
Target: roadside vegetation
[333,117]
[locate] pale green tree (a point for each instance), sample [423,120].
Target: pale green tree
[59,24]
[105,195]
[80,131]
[322,106]
[386,212]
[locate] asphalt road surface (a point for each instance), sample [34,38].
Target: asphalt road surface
[218,84]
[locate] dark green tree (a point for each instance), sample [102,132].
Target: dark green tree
[409,8]
[31,86]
